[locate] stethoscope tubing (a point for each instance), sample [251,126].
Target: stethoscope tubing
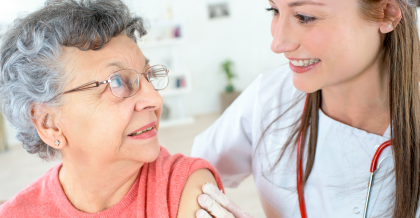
[373,168]
[368,195]
[299,170]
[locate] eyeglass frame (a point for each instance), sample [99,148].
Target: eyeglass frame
[97,83]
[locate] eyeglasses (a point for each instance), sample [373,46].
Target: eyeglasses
[125,83]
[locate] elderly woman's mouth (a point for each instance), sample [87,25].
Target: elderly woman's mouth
[144,132]
[140,132]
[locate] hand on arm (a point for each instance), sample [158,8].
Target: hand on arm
[188,205]
[214,202]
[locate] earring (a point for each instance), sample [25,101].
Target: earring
[57,142]
[389,26]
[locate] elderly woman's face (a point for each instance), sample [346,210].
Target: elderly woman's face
[97,124]
[332,32]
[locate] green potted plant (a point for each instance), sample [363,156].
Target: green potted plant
[227,97]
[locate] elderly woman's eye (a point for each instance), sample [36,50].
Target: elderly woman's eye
[304,19]
[116,81]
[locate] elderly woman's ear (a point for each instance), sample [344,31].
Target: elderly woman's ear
[46,121]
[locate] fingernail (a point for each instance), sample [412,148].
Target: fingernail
[200,214]
[202,199]
[209,188]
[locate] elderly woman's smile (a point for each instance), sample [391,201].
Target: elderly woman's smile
[144,132]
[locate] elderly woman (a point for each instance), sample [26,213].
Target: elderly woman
[76,86]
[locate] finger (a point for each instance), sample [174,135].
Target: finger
[221,198]
[216,194]
[213,207]
[202,214]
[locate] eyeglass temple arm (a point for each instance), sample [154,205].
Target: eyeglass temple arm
[88,85]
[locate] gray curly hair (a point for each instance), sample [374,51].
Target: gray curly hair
[30,56]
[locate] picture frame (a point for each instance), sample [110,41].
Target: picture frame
[218,10]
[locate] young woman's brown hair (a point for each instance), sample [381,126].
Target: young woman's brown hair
[400,60]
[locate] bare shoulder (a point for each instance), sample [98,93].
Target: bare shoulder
[188,204]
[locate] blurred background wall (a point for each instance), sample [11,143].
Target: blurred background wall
[243,36]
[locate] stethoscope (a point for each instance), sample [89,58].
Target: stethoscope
[373,167]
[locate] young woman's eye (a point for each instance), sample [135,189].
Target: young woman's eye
[273,10]
[304,19]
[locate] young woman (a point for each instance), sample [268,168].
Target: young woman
[308,132]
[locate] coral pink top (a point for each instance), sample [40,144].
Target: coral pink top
[155,194]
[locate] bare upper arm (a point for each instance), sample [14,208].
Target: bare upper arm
[188,204]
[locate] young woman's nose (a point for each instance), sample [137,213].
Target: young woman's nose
[147,98]
[283,38]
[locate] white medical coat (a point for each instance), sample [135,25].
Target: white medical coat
[337,185]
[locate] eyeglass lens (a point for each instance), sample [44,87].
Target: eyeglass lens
[158,77]
[125,83]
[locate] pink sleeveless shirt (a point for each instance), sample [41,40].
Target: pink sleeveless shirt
[155,194]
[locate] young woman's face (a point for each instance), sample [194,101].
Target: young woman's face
[330,38]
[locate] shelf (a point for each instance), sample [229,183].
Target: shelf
[172,89]
[174,92]
[176,122]
[162,44]
[178,73]
[171,22]
[164,33]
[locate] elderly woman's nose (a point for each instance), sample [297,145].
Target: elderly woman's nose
[283,38]
[148,98]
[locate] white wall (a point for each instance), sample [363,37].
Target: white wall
[244,37]
[9,11]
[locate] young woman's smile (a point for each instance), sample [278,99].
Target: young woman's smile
[303,65]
